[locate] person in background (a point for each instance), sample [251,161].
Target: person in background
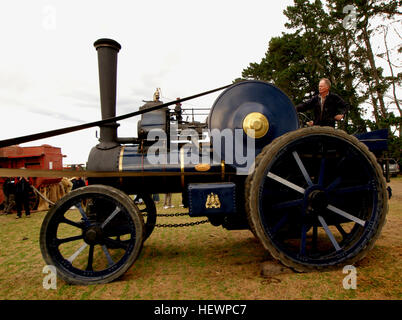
[22,188]
[328,107]
[8,191]
[155,197]
[77,182]
[168,201]
[178,112]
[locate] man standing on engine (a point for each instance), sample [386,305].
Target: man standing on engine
[328,107]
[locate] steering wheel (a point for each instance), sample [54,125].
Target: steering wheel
[303,119]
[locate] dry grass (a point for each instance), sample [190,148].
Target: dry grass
[202,262]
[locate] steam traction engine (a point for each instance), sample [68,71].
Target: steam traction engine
[314,197]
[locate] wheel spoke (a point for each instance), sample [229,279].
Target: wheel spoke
[83,214]
[322,169]
[90,258]
[333,184]
[340,163]
[341,230]
[72,223]
[302,168]
[75,254]
[108,257]
[275,229]
[113,214]
[285,182]
[303,240]
[346,215]
[287,204]
[364,187]
[329,233]
[314,238]
[69,239]
[116,243]
[117,231]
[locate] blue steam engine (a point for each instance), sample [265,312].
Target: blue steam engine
[314,197]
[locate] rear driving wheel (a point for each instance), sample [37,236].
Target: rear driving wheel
[317,198]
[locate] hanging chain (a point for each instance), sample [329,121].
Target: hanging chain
[178,214]
[176,225]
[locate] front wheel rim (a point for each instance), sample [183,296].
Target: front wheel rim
[90,238]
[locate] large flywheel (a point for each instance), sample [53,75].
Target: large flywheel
[317,198]
[93,235]
[255,105]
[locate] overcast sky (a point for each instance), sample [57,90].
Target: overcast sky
[48,65]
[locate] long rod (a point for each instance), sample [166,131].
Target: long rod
[57,132]
[5,172]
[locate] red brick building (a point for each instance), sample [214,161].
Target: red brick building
[42,157]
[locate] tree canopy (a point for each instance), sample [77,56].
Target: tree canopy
[334,39]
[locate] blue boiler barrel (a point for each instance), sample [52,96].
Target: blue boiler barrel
[171,175]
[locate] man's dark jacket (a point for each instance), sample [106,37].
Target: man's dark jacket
[22,185]
[333,105]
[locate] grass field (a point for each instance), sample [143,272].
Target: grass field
[202,262]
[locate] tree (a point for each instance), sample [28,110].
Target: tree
[296,61]
[394,80]
[321,44]
[285,65]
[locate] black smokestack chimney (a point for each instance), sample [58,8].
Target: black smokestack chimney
[107,62]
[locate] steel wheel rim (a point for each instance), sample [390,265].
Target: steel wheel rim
[85,242]
[289,187]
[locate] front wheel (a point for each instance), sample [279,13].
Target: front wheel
[317,198]
[92,235]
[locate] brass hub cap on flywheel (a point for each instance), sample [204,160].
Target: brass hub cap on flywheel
[258,122]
